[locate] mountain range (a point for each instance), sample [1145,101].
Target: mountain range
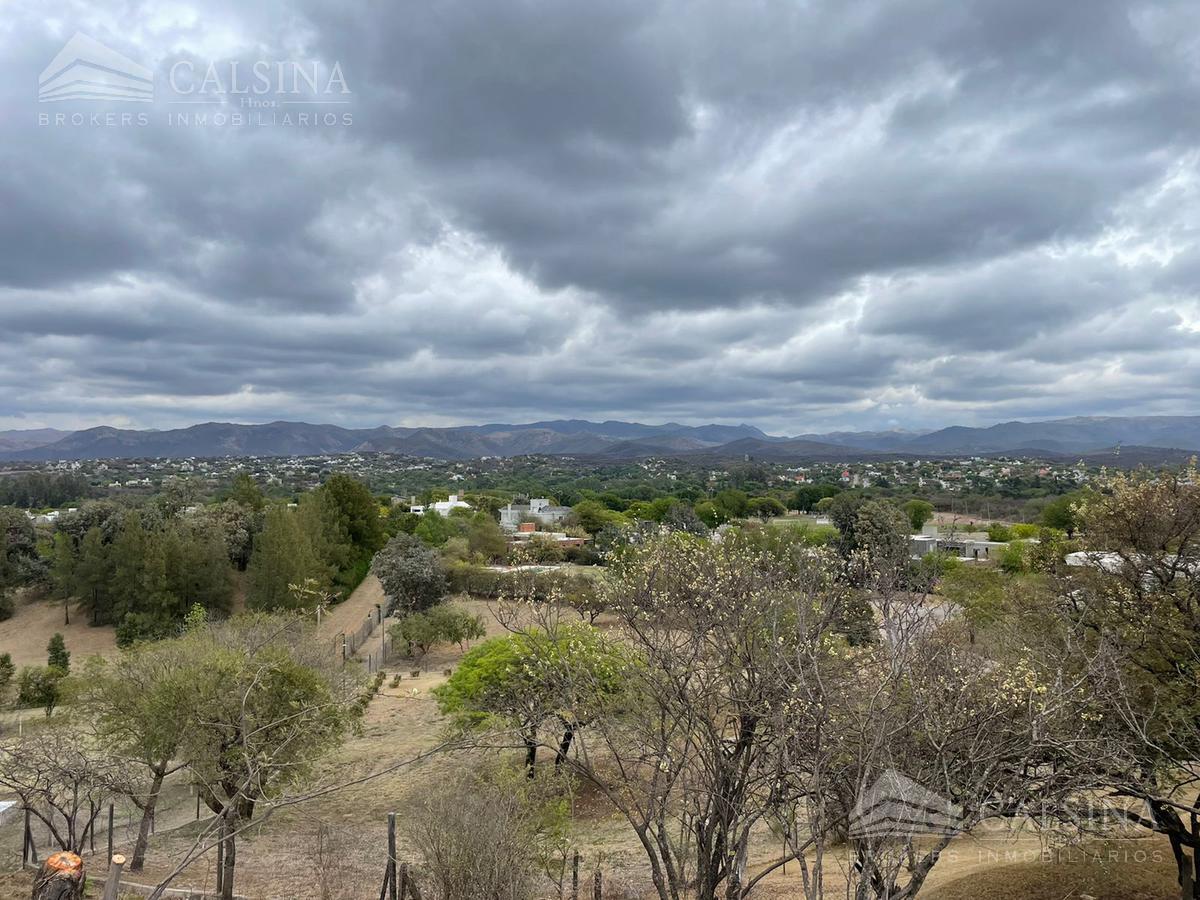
[1077,436]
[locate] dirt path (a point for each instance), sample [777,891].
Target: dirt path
[348,615]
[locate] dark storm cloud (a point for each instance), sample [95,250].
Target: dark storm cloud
[803,215]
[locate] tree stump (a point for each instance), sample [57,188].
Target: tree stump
[61,877]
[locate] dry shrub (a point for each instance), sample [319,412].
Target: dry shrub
[340,867]
[488,836]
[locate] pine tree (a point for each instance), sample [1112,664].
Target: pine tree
[283,556]
[7,669]
[246,491]
[93,572]
[198,568]
[57,655]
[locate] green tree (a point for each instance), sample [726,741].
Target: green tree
[881,530]
[765,507]
[93,573]
[733,503]
[485,538]
[419,634]
[38,686]
[20,563]
[411,574]
[843,512]
[246,492]
[1014,558]
[1060,513]
[682,517]
[807,496]
[919,512]
[198,567]
[264,703]
[434,528]
[356,512]
[593,516]
[979,592]
[544,549]
[457,626]
[523,680]
[7,670]
[62,566]
[57,655]
[999,532]
[235,524]
[137,706]
[708,513]
[283,556]
[443,624]
[142,605]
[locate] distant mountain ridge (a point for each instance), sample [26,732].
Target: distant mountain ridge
[28,438]
[215,439]
[1076,436]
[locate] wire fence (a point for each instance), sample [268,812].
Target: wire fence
[346,645]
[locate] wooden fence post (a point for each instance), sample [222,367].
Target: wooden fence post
[598,886]
[112,884]
[403,880]
[392,854]
[575,876]
[111,813]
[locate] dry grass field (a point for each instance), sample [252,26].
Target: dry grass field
[35,620]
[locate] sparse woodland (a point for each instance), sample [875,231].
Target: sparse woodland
[736,704]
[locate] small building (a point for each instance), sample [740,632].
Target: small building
[441,507]
[539,510]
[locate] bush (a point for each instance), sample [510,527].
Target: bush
[1013,558]
[7,669]
[478,581]
[38,686]
[7,606]
[421,632]
[545,550]
[998,532]
[490,837]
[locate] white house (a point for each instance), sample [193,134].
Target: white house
[441,507]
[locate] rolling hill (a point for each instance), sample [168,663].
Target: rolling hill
[1165,437]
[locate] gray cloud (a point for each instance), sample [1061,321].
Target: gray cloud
[851,214]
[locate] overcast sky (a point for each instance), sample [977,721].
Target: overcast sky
[803,215]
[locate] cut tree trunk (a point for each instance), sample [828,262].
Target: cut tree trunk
[61,877]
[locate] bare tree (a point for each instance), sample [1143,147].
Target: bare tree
[61,778]
[690,752]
